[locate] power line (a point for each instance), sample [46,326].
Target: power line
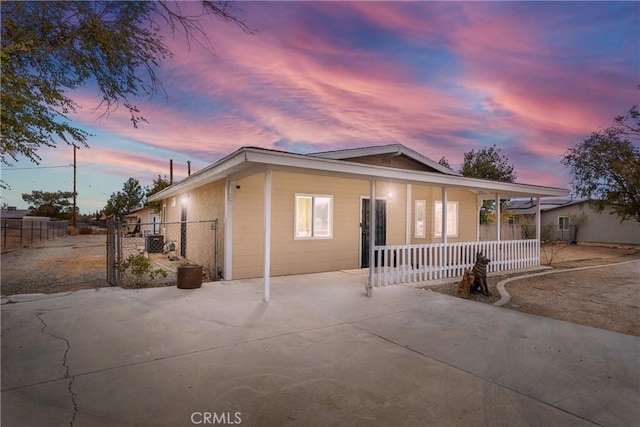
[36,167]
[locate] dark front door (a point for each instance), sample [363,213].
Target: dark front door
[380,230]
[183,231]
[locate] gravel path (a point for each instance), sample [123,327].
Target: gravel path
[65,264]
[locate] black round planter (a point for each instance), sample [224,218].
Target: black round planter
[189,276]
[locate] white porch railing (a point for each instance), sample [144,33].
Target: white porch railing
[419,263]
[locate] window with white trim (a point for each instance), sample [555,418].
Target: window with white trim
[421,219]
[563,223]
[452,219]
[313,217]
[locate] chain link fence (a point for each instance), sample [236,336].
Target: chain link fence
[18,233]
[149,254]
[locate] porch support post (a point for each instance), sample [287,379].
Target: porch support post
[538,230]
[267,235]
[409,207]
[228,230]
[444,215]
[444,234]
[372,236]
[478,208]
[498,225]
[498,253]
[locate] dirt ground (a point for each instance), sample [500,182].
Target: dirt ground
[64,264]
[606,298]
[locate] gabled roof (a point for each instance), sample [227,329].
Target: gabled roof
[250,160]
[529,207]
[385,151]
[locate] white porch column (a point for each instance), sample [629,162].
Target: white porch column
[498,253]
[407,239]
[267,235]
[228,229]
[478,210]
[444,215]
[444,258]
[372,236]
[498,225]
[538,230]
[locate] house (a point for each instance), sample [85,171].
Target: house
[13,217]
[13,213]
[578,220]
[143,221]
[283,213]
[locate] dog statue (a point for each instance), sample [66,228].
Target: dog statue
[465,284]
[480,275]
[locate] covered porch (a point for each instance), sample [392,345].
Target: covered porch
[435,261]
[447,255]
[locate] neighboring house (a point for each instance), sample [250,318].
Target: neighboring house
[283,213]
[12,217]
[13,213]
[143,221]
[577,220]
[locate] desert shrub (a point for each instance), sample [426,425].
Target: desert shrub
[138,267]
[85,230]
[545,232]
[528,229]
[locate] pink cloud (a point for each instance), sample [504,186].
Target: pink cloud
[291,82]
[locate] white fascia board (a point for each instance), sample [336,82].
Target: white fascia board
[248,156]
[358,152]
[384,149]
[370,171]
[218,170]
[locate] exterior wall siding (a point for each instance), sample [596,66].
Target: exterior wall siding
[598,228]
[467,213]
[297,256]
[248,227]
[300,256]
[202,204]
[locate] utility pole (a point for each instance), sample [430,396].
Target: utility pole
[75,194]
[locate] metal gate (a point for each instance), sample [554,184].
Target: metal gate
[166,245]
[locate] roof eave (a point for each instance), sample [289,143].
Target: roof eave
[373,171]
[248,156]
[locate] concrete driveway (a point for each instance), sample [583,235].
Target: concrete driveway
[320,353]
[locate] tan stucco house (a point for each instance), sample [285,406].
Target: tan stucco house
[282,213]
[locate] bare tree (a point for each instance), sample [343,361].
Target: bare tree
[50,49]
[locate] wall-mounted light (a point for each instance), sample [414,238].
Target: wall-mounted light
[389,195]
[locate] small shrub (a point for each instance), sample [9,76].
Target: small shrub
[138,266]
[85,230]
[550,250]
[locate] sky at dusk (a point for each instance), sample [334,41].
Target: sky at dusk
[442,78]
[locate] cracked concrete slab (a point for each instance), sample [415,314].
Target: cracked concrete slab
[319,353]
